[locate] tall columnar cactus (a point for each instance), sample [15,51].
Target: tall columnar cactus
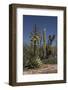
[35,61]
[44,43]
[35,41]
[49,47]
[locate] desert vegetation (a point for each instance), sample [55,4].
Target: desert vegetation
[36,56]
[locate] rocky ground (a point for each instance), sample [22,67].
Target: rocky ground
[44,69]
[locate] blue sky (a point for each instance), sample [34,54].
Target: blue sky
[42,22]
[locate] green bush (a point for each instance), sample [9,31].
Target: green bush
[34,62]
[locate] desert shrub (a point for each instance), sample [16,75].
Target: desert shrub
[29,60]
[26,55]
[51,60]
[34,62]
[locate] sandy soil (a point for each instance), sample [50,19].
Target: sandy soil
[45,68]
